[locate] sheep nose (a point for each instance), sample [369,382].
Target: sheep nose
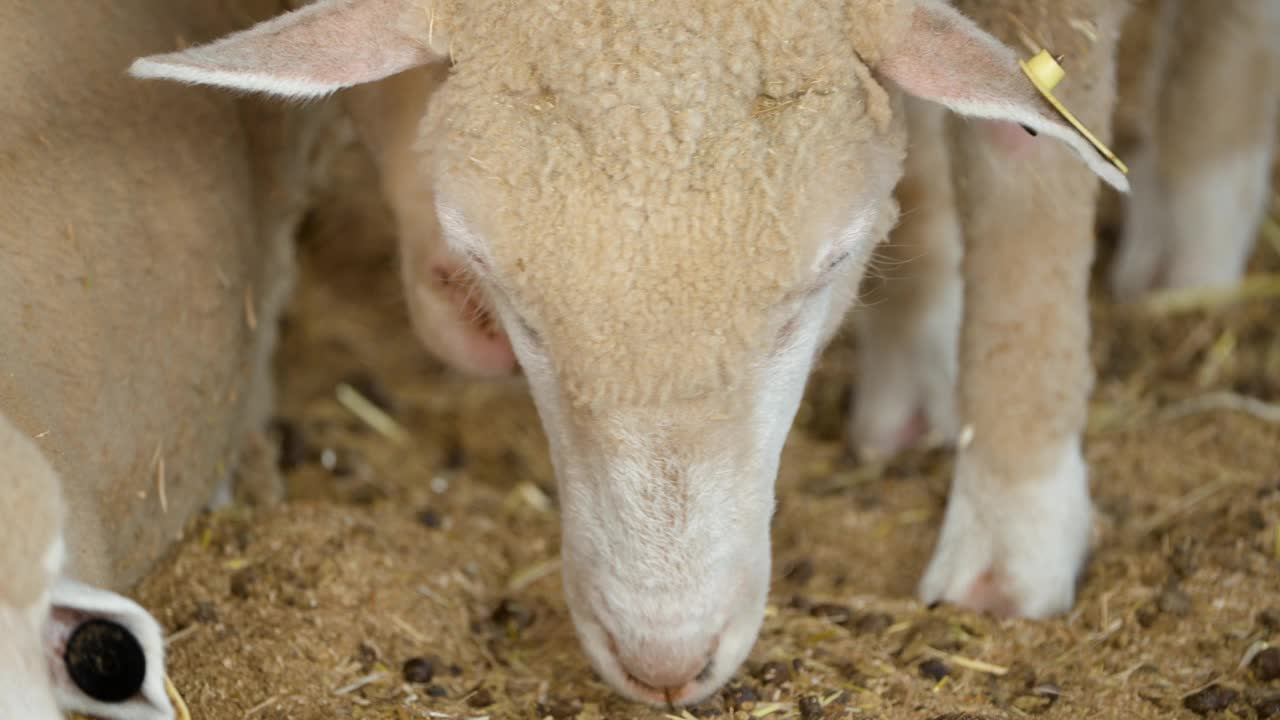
[667,672]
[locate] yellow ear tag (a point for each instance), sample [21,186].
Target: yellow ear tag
[1045,73]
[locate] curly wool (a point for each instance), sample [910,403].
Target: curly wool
[631,147]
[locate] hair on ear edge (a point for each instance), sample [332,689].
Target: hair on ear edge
[1035,122]
[162,67]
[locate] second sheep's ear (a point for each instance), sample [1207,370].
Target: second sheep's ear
[106,655]
[945,58]
[310,52]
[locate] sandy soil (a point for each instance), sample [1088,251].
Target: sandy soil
[419,580]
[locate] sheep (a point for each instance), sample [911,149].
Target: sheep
[1008,333]
[1202,122]
[30,560]
[1021,363]
[48,618]
[668,207]
[146,257]
[145,263]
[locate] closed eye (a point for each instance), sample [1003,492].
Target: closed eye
[834,263]
[798,298]
[786,332]
[523,328]
[830,271]
[527,330]
[501,298]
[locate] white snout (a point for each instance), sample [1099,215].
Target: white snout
[667,576]
[671,649]
[665,518]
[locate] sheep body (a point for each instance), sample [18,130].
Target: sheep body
[145,262]
[1199,124]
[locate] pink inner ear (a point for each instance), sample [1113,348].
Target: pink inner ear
[317,49]
[57,630]
[62,621]
[945,57]
[73,604]
[1009,137]
[473,340]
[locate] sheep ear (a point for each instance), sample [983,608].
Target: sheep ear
[942,56]
[105,654]
[313,51]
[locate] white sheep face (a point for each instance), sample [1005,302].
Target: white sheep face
[667,341]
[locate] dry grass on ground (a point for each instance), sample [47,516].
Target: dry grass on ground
[419,580]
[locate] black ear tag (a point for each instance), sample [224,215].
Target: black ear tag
[106,661]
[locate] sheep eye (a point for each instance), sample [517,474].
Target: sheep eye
[786,331]
[837,261]
[533,336]
[105,661]
[476,261]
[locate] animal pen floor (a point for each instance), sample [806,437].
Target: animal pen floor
[419,580]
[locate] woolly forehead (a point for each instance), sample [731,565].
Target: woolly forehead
[646,252]
[650,200]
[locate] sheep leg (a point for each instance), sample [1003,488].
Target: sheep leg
[907,331]
[1017,523]
[1200,183]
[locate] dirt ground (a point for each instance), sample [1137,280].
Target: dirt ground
[419,579]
